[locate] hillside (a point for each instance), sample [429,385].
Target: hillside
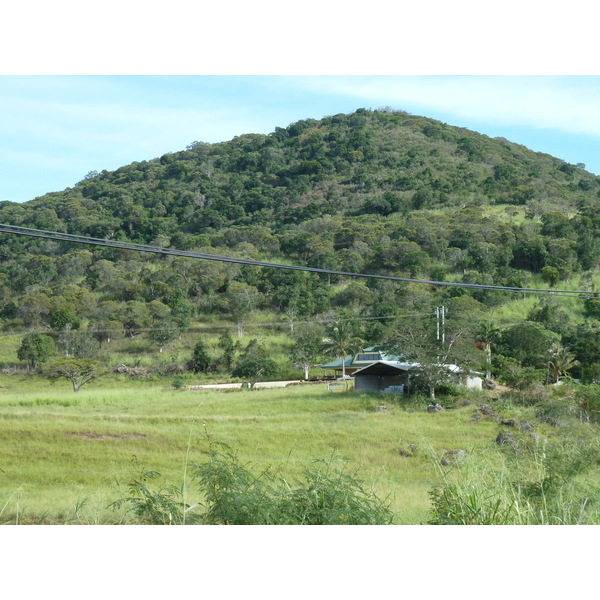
[375,191]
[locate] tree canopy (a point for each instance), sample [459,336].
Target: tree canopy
[376,191]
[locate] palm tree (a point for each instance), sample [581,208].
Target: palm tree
[560,361]
[487,335]
[341,341]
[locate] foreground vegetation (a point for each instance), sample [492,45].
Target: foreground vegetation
[73,458]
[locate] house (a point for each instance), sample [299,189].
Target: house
[394,376]
[383,375]
[354,362]
[375,370]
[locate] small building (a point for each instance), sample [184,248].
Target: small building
[394,377]
[383,375]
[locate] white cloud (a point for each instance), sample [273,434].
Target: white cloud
[60,128]
[567,104]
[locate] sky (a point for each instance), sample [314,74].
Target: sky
[57,128]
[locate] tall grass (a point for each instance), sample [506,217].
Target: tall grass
[542,487]
[66,459]
[57,453]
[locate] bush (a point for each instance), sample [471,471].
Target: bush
[468,504]
[588,401]
[233,495]
[164,506]
[178,383]
[554,411]
[200,361]
[324,496]
[540,486]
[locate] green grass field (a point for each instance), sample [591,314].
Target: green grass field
[65,457]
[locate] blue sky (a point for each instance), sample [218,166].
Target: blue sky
[55,129]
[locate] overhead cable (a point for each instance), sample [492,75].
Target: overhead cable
[79,239]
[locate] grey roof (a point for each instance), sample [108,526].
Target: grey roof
[400,366]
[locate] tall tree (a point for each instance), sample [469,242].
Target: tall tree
[36,348]
[436,347]
[487,334]
[78,372]
[241,301]
[254,363]
[340,341]
[307,350]
[560,360]
[164,332]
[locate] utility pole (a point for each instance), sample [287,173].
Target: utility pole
[440,314]
[444,310]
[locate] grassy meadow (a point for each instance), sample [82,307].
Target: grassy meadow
[65,457]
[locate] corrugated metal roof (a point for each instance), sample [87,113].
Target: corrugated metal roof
[383,365]
[338,363]
[349,360]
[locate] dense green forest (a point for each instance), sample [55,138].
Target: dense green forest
[381,192]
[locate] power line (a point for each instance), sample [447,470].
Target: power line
[207,327]
[79,239]
[271,324]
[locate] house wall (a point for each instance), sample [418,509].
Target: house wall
[366,383]
[475,383]
[376,383]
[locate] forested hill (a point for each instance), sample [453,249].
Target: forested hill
[374,191]
[377,163]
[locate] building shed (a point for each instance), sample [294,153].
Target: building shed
[394,376]
[383,376]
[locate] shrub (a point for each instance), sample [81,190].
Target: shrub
[554,411]
[539,486]
[324,496]
[164,506]
[591,373]
[178,383]
[200,361]
[588,401]
[468,504]
[327,496]
[233,495]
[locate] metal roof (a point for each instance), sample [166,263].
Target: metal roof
[338,363]
[381,367]
[349,360]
